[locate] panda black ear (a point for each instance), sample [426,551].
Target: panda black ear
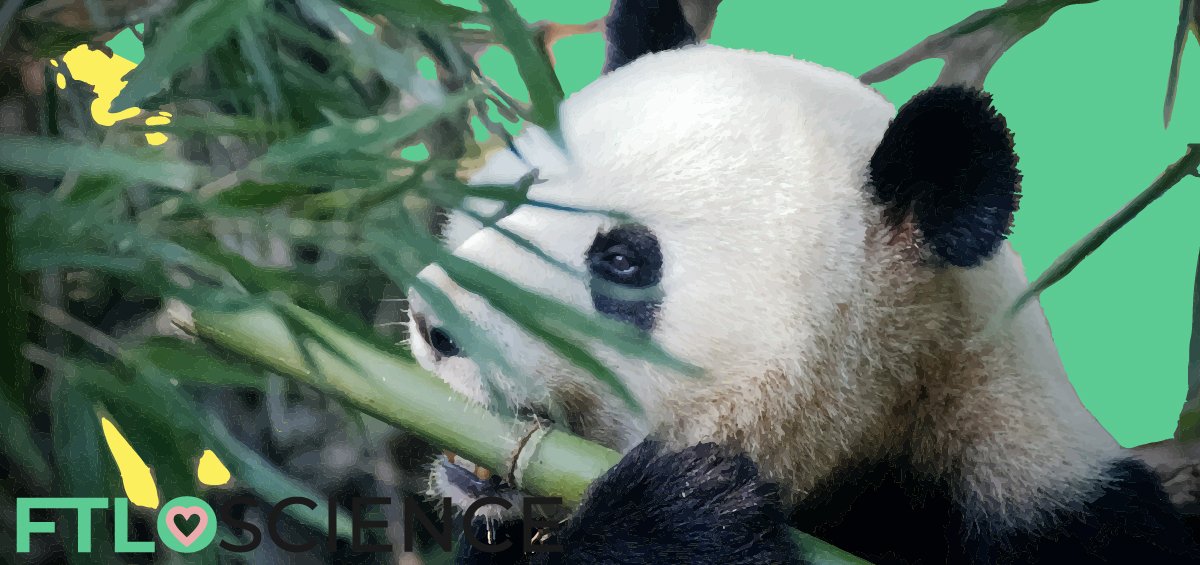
[946,166]
[638,27]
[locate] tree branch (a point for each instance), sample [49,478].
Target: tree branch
[971,47]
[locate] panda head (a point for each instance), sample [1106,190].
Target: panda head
[773,222]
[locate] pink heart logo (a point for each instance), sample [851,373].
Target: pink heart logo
[186,513]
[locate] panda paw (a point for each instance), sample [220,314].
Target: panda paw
[698,505]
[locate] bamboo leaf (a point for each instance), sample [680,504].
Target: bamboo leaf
[82,466]
[353,135]
[395,67]
[75,434]
[1194,346]
[1186,11]
[257,195]
[483,350]
[1067,262]
[818,552]
[1189,418]
[47,157]
[430,12]
[213,124]
[561,327]
[533,63]
[20,445]
[249,34]
[170,424]
[199,28]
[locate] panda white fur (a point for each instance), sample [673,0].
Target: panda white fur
[837,269]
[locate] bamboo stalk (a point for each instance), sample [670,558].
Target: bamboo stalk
[402,394]
[541,461]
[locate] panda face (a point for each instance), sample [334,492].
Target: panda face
[712,199]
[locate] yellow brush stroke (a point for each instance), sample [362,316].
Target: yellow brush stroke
[104,74]
[161,120]
[135,475]
[211,470]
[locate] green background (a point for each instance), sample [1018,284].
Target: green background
[1084,97]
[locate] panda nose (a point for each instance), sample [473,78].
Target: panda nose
[438,338]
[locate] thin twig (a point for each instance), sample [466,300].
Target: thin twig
[1078,252]
[43,358]
[64,320]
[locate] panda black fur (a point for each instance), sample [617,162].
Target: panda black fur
[835,270]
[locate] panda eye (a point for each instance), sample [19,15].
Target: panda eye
[619,263]
[441,342]
[628,256]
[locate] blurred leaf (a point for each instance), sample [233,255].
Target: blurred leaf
[81,459]
[396,68]
[212,124]
[271,484]
[482,348]
[254,195]
[169,358]
[52,234]
[54,259]
[93,190]
[45,39]
[78,443]
[345,137]
[351,201]
[14,325]
[1067,262]
[250,39]
[158,412]
[47,157]
[301,290]
[187,37]
[20,447]
[545,92]
[1187,9]
[429,12]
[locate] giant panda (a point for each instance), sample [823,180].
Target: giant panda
[838,270]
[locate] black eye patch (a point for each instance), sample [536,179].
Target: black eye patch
[626,265]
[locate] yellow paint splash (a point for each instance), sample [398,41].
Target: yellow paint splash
[211,470]
[104,74]
[135,475]
[162,119]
